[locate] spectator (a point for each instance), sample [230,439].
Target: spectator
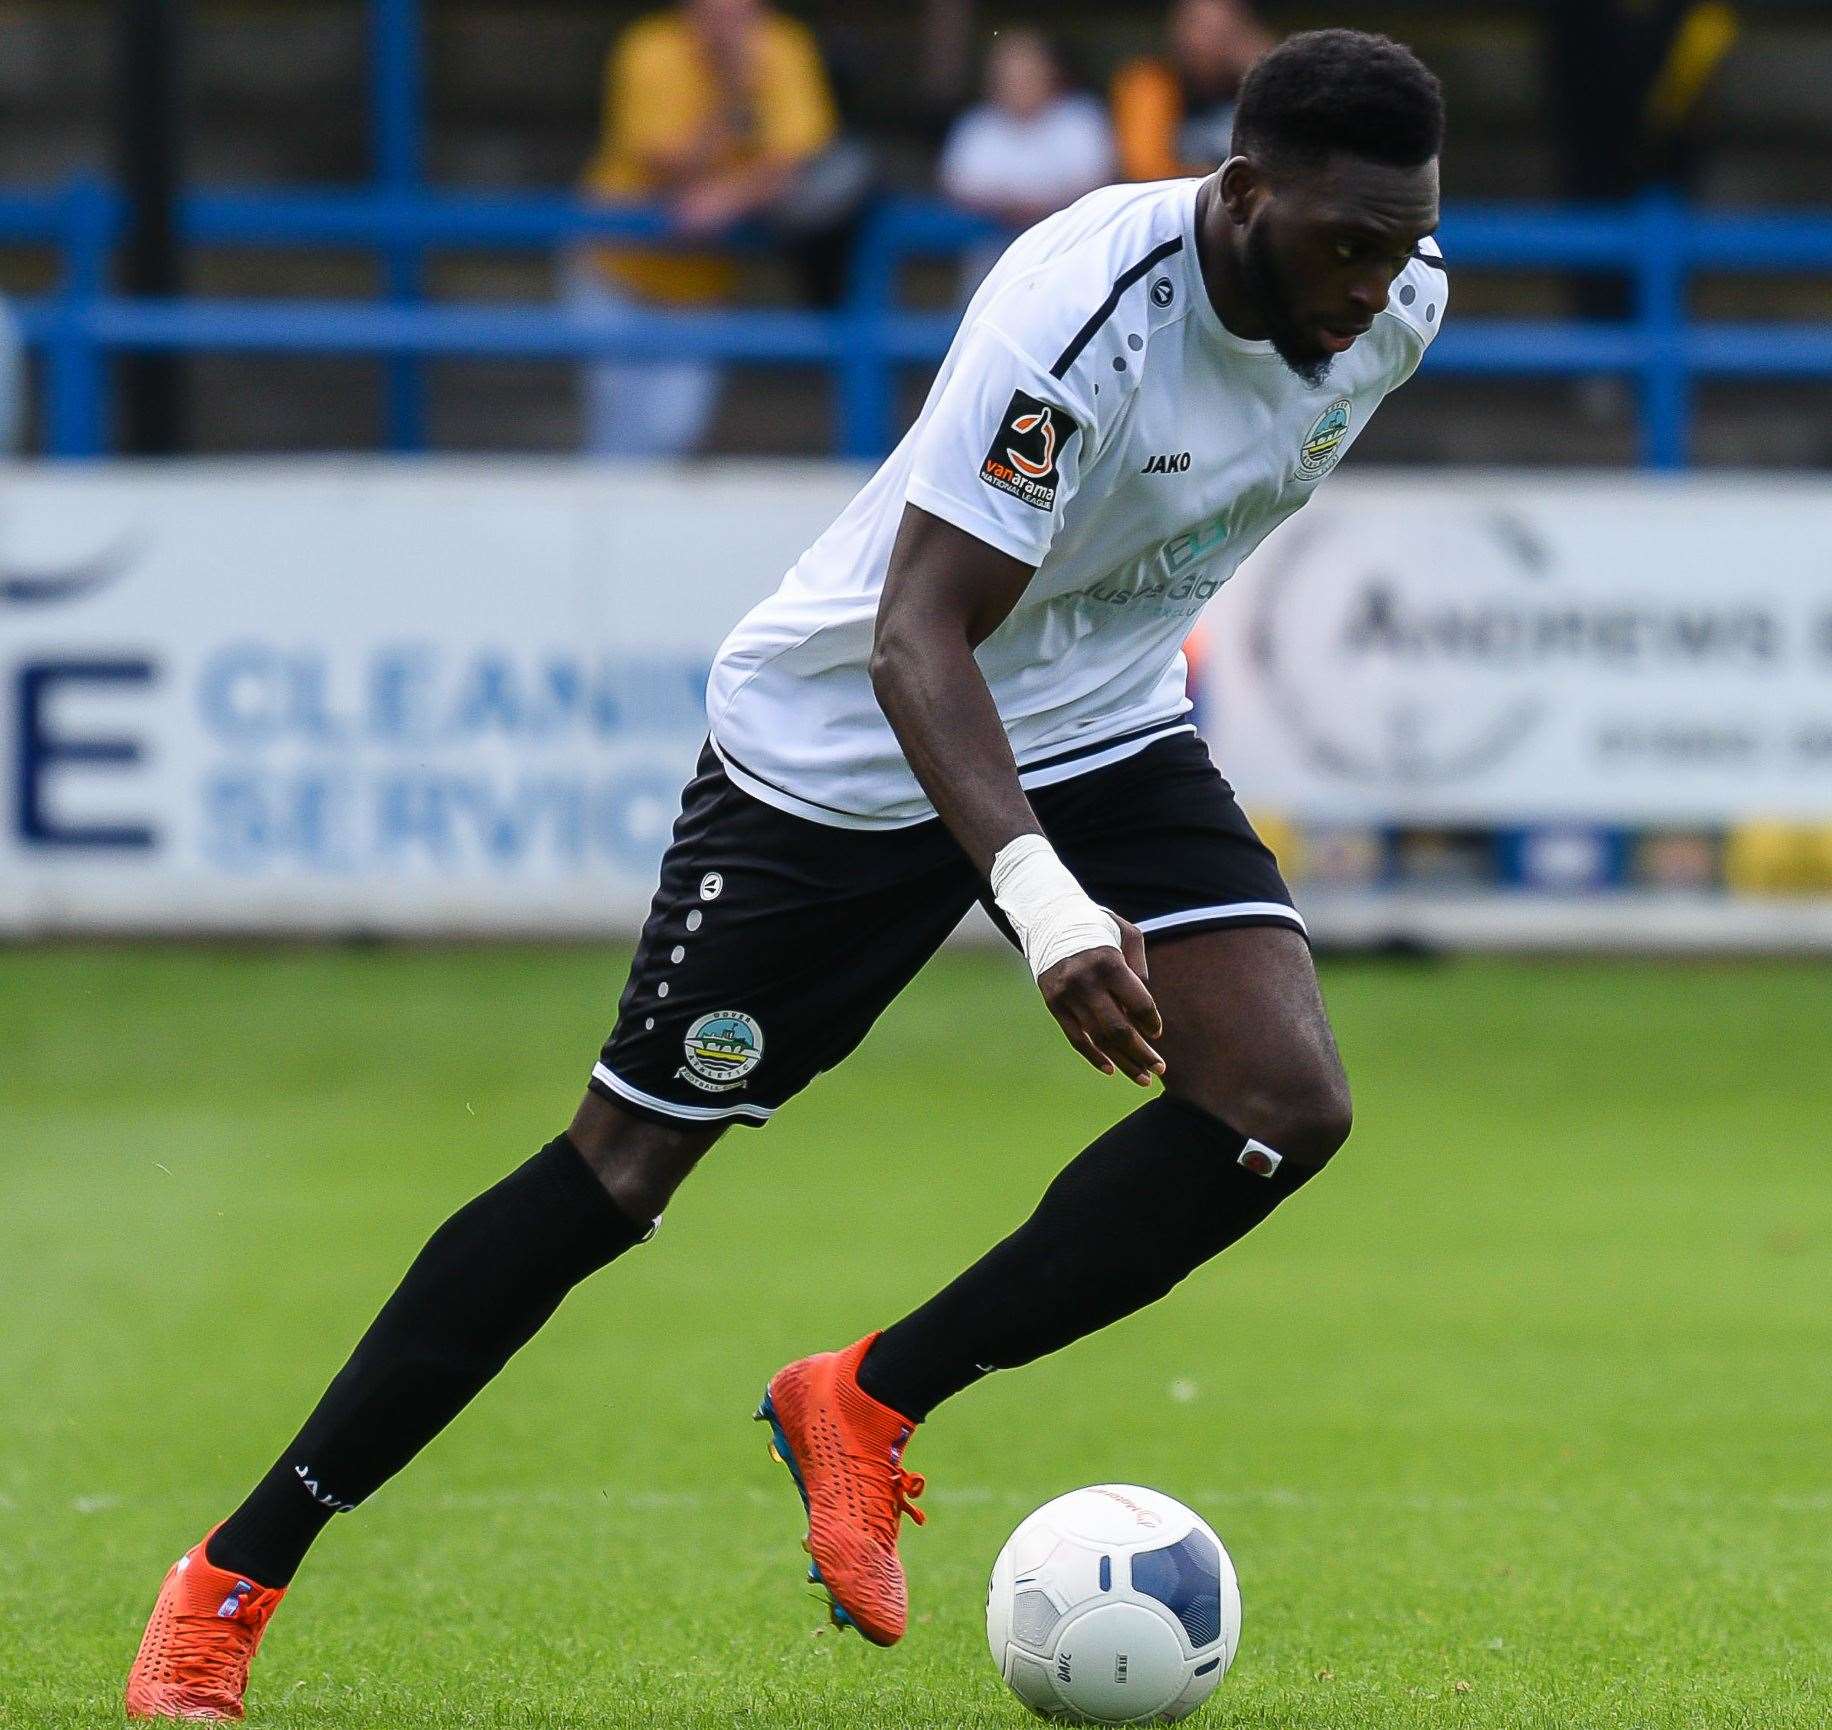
[945,32]
[1627,79]
[721,110]
[1030,147]
[908,105]
[1175,116]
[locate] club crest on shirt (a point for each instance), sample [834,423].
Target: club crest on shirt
[1026,451]
[722,1049]
[1322,446]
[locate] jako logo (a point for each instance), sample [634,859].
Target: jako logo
[1173,463]
[320,1496]
[1028,424]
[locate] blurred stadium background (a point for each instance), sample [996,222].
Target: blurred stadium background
[591,371]
[405,398]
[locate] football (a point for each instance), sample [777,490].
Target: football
[1113,1605]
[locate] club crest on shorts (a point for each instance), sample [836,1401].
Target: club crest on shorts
[722,1049]
[1025,453]
[1322,446]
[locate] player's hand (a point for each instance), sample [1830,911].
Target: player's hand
[1100,999]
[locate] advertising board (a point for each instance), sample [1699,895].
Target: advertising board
[457,697]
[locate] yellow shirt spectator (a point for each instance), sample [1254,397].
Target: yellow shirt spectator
[711,128]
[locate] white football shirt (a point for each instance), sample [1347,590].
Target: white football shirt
[1096,419]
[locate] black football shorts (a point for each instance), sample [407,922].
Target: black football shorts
[774,943]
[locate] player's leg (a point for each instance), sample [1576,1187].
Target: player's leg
[484,1283]
[1247,1039]
[751,908]
[1160,840]
[1248,1054]
[489,1277]
[780,970]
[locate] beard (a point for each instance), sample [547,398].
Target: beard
[1272,296]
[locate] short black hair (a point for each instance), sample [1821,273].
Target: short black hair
[1341,90]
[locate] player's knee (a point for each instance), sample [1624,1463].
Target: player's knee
[640,1164]
[1305,1117]
[641,1172]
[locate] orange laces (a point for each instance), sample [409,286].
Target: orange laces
[905,1488]
[201,1654]
[909,1486]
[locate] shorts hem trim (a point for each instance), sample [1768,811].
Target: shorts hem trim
[1053,772]
[615,1084]
[1229,913]
[1067,764]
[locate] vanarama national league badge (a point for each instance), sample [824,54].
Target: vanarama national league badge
[1026,451]
[1322,446]
[722,1049]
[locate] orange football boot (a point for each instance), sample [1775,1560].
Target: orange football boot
[845,1452]
[205,1626]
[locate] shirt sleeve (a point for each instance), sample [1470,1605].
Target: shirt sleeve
[1001,452]
[1420,300]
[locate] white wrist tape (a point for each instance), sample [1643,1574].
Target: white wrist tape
[1049,910]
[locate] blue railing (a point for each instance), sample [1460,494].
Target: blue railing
[1659,245]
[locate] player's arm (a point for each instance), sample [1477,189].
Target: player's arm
[945,593]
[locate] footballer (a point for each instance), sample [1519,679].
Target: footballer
[970,688]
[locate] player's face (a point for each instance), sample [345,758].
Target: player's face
[1321,247]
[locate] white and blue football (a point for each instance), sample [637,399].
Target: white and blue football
[1113,1605]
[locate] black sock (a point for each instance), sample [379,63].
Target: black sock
[1151,1201]
[485,1282]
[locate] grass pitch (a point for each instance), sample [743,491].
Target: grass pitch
[1519,1417]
